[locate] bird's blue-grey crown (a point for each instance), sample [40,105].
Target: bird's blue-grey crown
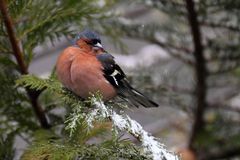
[88,34]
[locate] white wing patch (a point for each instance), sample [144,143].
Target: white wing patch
[115,81]
[113,75]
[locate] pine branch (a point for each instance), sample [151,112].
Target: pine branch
[10,29]
[98,113]
[200,71]
[51,85]
[151,147]
[48,146]
[33,95]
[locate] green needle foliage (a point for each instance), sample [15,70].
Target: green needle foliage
[55,149]
[35,23]
[76,142]
[38,21]
[6,144]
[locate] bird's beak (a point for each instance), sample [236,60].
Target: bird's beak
[98,45]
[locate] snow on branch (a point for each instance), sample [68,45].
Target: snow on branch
[151,147]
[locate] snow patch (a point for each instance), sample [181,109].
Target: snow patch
[152,148]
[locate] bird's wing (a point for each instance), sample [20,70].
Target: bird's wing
[114,74]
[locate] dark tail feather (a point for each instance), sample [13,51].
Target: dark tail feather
[143,100]
[135,97]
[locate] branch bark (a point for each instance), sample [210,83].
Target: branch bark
[33,95]
[200,73]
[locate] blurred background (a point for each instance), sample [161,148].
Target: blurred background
[183,54]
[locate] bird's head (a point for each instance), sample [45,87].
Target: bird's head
[88,39]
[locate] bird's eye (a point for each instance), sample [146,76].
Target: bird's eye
[95,41]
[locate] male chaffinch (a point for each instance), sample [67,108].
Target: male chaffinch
[86,68]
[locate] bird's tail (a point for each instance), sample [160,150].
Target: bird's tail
[135,97]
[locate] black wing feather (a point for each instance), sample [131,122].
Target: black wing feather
[114,74]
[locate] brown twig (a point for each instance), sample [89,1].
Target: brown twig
[33,95]
[200,71]
[9,27]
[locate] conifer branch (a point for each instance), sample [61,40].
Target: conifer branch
[32,94]
[99,112]
[151,147]
[200,73]
[10,30]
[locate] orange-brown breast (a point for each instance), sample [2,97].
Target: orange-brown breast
[63,66]
[82,73]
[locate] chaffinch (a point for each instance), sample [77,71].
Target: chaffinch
[86,68]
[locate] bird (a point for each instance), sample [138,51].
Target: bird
[86,68]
